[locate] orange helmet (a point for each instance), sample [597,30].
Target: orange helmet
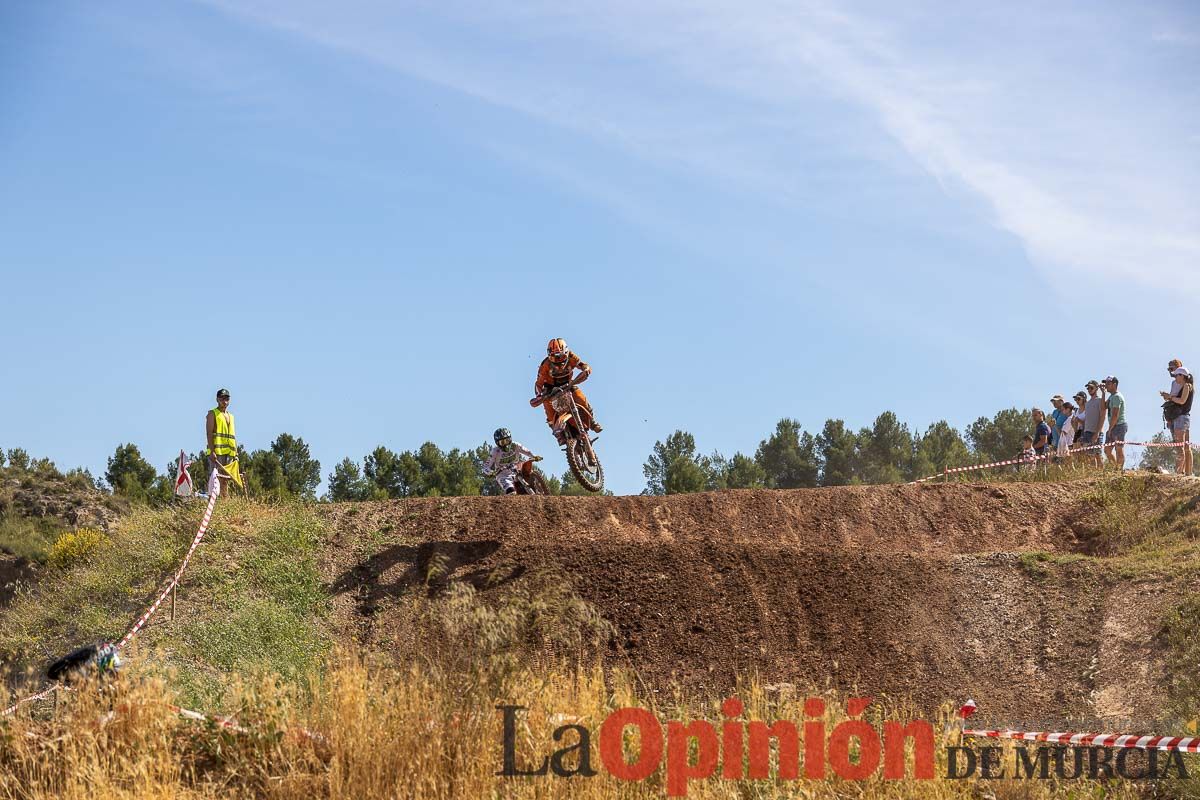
[558,351]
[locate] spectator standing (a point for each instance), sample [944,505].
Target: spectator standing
[1066,436]
[1177,411]
[1114,440]
[1057,418]
[1077,419]
[1041,432]
[1093,421]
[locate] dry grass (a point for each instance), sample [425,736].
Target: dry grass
[382,732]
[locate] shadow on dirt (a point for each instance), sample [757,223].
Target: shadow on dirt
[431,566]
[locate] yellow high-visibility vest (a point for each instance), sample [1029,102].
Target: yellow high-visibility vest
[224,438]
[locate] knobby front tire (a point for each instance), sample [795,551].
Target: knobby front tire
[591,478]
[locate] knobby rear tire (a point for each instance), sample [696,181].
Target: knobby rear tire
[537,483]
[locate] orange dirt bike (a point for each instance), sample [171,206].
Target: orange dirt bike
[581,456]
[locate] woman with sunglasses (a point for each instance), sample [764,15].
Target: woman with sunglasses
[1177,411]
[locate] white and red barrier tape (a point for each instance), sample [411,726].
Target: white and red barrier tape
[1184,744]
[214,492]
[1048,455]
[43,693]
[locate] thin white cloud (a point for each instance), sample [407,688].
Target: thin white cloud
[1089,168]
[1177,37]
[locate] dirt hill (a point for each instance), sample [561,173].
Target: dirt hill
[1039,600]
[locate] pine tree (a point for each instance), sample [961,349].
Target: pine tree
[675,467]
[789,457]
[128,473]
[347,484]
[301,472]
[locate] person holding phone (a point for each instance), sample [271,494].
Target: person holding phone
[1177,411]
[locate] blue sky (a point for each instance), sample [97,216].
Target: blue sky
[367,218]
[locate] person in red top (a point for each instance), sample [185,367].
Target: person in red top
[557,369]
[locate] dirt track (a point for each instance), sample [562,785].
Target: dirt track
[913,591]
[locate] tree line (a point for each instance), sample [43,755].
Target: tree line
[790,457]
[287,470]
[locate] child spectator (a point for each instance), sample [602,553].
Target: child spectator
[1028,455]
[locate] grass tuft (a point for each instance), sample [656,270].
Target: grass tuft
[28,538]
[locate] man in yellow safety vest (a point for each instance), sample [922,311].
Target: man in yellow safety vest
[222,440]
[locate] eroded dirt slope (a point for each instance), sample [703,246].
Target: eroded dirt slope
[917,591]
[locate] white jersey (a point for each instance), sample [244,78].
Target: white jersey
[501,459]
[1066,438]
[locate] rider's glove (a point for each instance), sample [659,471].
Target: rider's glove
[536,458]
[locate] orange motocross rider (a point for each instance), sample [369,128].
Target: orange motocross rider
[556,370]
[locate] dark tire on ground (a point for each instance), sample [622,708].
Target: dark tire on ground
[590,478]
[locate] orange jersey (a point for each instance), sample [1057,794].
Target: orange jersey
[551,375]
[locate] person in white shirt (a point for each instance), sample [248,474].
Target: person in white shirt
[506,458]
[1066,437]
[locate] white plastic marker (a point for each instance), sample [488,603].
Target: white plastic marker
[226,723]
[1184,744]
[183,479]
